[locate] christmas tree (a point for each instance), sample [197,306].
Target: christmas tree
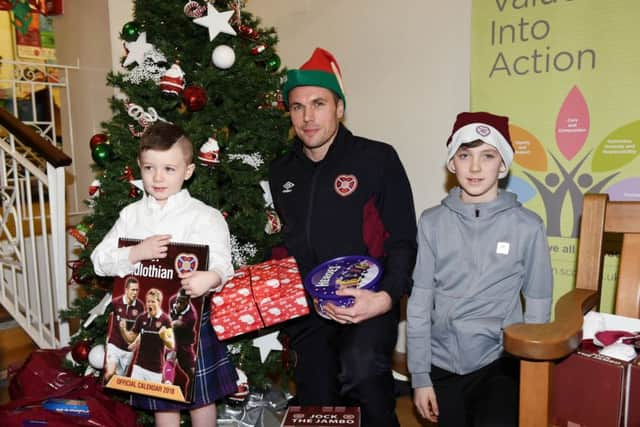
[211,69]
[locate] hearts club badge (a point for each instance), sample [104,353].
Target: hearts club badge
[359,271]
[345,185]
[186,263]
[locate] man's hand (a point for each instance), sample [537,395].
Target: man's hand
[197,283]
[367,304]
[426,403]
[150,248]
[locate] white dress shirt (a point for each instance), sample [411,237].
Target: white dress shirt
[186,219]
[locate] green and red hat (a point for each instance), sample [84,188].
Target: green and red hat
[321,70]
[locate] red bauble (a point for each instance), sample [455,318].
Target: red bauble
[80,351]
[97,139]
[194,97]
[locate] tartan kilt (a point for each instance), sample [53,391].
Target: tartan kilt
[215,376]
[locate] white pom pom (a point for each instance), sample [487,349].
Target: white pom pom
[96,356]
[223,57]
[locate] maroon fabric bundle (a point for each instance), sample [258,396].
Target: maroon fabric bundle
[42,377]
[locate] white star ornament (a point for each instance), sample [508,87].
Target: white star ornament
[137,50]
[266,343]
[216,22]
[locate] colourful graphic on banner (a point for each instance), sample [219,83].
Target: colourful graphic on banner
[565,73]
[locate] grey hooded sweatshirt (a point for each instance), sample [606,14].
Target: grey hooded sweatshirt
[474,262]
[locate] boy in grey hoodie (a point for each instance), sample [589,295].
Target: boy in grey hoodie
[479,252]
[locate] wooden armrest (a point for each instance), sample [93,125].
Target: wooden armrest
[549,341]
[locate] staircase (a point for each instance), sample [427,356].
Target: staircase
[33,252]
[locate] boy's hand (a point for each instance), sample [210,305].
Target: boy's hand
[367,304]
[197,283]
[134,345]
[150,248]
[426,403]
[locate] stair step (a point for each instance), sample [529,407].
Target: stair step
[4,315]
[15,347]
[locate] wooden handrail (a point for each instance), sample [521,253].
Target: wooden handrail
[30,138]
[550,341]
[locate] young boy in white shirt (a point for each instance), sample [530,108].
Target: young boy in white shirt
[167,212]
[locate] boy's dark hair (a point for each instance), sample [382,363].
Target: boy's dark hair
[162,136]
[471,144]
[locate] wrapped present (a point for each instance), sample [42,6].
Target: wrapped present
[233,309]
[258,296]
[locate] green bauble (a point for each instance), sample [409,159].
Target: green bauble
[130,31]
[101,154]
[272,63]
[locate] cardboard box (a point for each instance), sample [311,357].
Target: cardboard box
[589,391]
[258,296]
[633,395]
[321,416]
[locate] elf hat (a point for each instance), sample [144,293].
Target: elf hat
[486,127]
[320,70]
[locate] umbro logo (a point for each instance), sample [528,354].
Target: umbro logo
[287,187]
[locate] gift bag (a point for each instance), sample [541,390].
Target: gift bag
[41,387]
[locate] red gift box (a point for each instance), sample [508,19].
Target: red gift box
[633,395]
[258,296]
[589,390]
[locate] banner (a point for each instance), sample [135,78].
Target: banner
[565,72]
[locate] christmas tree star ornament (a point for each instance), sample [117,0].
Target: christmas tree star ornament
[98,310]
[266,343]
[266,194]
[137,50]
[216,22]
[138,184]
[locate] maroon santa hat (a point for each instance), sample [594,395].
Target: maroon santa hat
[486,127]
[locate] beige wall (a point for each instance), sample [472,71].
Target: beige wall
[82,36]
[405,68]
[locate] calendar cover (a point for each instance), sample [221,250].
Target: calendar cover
[152,340]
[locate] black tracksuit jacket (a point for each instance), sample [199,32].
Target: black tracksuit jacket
[356,201]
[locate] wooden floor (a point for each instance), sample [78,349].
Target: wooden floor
[15,347]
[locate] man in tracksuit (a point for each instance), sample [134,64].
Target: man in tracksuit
[338,194]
